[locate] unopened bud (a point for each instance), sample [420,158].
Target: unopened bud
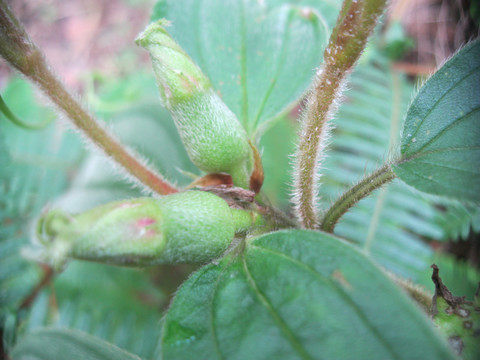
[213,137]
[187,227]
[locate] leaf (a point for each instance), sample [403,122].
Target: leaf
[441,138]
[458,221]
[52,344]
[289,295]
[259,55]
[276,146]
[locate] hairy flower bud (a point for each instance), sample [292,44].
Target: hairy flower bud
[187,227]
[213,137]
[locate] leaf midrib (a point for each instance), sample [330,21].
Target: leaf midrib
[280,64]
[287,332]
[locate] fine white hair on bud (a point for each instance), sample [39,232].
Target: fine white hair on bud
[185,227]
[211,133]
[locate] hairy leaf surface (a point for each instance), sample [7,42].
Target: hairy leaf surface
[290,295]
[441,139]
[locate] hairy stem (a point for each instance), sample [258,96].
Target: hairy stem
[21,52]
[355,23]
[355,194]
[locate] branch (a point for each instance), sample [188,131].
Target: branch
[21,52]
[355,23]
[48,275]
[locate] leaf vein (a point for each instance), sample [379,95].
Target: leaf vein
[434,105]
[434,138]
[277,318]
[243,68]
[377,334]
[280,63]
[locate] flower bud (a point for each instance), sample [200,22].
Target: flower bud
[213,137]
[187,227]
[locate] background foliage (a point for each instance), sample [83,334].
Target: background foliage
[395,227]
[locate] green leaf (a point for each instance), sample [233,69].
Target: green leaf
[441,138]
[259,55]
[52,344]
[276,146]
[296,294]
[458,221]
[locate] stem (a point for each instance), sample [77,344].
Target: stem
[48,275]
[354,195]
[355,23]
[22,53]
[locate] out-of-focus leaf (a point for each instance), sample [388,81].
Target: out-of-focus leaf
[276,146]
[36,165]
[118,305]
[441,138]
[458,221]
[263,57]
[290,295]
[61,344]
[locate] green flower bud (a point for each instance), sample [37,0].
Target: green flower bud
[213,137]
[187,227]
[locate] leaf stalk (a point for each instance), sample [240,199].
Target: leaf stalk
[356,193]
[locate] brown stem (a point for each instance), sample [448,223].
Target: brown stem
[21,52]
[48,274]
[355,23]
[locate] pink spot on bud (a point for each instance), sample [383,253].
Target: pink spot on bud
[145,222]
[150,233]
